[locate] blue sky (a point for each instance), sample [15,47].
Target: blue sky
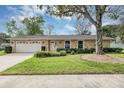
[61,26]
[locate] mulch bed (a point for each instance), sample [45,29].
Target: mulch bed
[103,58]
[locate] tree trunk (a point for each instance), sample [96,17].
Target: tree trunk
[99,46]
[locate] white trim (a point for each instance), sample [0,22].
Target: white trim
[70,43]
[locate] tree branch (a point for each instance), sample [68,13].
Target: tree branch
[87,15]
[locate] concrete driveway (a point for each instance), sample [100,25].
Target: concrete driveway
[9,60]
[63,81]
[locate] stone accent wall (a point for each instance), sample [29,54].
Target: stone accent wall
[92,43]
[60,44]
[89,43]
[74,44]
[106,43]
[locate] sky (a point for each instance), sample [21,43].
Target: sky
[62,26]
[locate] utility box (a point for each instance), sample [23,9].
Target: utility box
[8,49]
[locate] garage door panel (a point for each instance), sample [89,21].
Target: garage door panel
[28,47]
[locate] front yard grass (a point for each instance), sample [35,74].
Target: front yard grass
[117,55]
[2,53]
[70,64]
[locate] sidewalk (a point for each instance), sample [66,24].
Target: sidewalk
[63,81]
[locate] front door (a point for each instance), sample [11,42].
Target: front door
[53,46]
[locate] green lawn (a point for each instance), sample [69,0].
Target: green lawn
[70,64]
[118,55]
[2,53]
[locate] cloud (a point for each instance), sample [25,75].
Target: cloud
[68,18]
[25,11]
[69,27]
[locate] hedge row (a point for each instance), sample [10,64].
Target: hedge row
[76,50]
[91,50]
[112,50]
[49,54]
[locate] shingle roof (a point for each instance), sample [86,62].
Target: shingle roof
[57,37]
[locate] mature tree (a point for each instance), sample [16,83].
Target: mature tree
[82,27]
[120,33]
[110,30]
[34,25]
[11,27]
[50,29]
[114,31]
[94,14]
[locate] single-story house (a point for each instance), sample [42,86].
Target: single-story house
[52,42]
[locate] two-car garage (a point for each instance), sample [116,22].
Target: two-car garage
[27,46]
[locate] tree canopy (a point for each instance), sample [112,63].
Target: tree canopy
[34,25]
[110,30]
[120,33]
[30,26]
[11,27]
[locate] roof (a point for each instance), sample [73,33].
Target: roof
[57,37]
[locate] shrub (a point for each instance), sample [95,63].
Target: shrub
[49,54]
[60,49]
[76,50]
[68,50]
[52,54]
[63,53]
[41,54]
[91,50]
[72,52]
[112,50]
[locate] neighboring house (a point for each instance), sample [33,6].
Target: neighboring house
[52,42]
[116,43]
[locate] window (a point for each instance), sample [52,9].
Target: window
[67,44]
[80,44]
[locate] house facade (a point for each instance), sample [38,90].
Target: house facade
[52,42]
